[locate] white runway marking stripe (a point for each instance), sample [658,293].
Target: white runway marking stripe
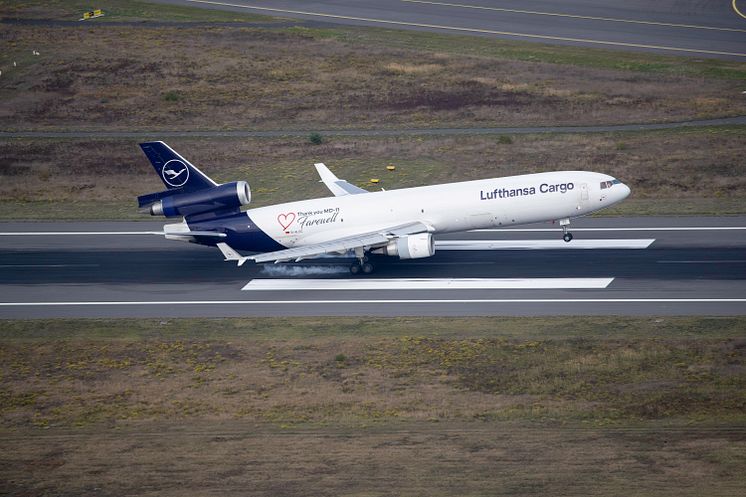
[723,261]
[79,233]
[427,284]
[660,228]
[376,301]
[576,16]
[542,244]
[12,266]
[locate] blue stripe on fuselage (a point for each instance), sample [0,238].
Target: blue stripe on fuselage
[242,233]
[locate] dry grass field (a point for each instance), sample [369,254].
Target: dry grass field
[471,406]
[670,172]
[140,77]
[434,459]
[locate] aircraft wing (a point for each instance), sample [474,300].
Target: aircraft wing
[337,186]
[361,240]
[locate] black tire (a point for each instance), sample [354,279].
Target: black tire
[355,268]
[567,237]
[367,268]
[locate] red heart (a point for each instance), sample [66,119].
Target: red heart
[286,220]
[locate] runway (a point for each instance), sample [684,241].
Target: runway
[698,29]
[624,266]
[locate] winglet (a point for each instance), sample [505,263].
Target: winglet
[337,186]
[230,254]
[326,175]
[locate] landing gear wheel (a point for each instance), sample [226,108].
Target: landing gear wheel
[355,268]
[567,237]
[367,268]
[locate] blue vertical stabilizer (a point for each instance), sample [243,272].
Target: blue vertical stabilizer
[175,171]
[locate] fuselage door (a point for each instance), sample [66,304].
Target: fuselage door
[583,193]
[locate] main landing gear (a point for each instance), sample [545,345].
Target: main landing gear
[361,265]
[566,236]
[364,268]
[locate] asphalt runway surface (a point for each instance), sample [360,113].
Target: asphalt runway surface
[622,266]
[679,27]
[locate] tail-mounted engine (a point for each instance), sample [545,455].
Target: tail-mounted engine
[409,247]
[220,198]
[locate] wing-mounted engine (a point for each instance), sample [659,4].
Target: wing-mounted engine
[414,246]
[228,197]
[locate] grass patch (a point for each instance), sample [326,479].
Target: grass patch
[120,10]
[346,371]
[114,78]
[345,328]
[687,206]
[67,211]
[172,96]
[541,53]
[434,459]
[700,174]
[471,406]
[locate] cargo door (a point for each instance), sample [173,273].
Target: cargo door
[583,194]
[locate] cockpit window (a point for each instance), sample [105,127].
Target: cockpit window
[607,184]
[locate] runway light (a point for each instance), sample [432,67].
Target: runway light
[391,167]
[374,180]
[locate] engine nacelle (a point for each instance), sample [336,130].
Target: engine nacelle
[409,247]
[226,196]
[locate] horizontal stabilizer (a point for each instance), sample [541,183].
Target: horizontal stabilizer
[151,198]
[230,254]
[208,234]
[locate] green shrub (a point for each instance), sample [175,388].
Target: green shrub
[171,96]
[316,138]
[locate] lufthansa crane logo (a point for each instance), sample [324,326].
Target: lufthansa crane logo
[175,173]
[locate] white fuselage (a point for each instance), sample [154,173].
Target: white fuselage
[443,208]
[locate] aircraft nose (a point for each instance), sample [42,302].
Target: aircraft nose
[625,191]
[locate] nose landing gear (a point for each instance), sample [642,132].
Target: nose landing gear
[566,235]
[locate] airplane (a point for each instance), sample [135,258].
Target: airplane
[399,223]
